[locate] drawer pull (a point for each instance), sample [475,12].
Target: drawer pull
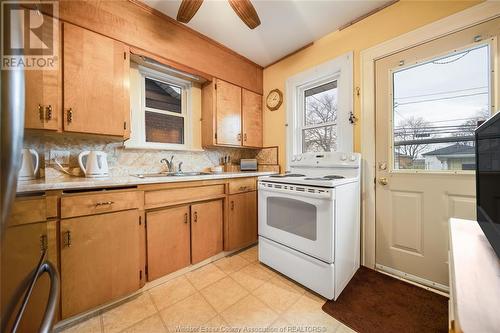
[104,203]
[232,205]
[195,216]
[185,217]
[243,188]
[67,239]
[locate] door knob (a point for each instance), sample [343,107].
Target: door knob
[383,181]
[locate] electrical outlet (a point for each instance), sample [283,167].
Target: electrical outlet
[61,156]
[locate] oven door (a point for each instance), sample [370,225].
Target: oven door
[300,217]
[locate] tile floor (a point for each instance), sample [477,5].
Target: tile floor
[235,292]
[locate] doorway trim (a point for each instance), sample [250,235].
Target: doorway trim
[474,15]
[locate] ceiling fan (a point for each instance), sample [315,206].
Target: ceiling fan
[243,8]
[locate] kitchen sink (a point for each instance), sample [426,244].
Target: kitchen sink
[170,174]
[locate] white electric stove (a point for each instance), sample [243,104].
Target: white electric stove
[309,221]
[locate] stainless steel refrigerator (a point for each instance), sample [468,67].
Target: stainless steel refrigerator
[29,282]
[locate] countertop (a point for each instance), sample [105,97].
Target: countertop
[40,185]
[475,278]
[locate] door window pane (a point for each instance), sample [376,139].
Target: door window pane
[436,107]
[164,128]
[163,96]
[292,216]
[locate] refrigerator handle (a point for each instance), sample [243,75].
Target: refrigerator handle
[12,130]
[44,266]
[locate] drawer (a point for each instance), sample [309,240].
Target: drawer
[96,203]
[28,210]
[160,198]
[242,185]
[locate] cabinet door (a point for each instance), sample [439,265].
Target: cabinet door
[251,111]
[228,113]
[242,220]
[96,69]
[100,259]
[206,230]
[21,251]
[43,91]
[168,241]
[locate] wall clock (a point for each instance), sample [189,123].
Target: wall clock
[274,99]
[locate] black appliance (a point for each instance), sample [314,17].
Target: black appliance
[488,179]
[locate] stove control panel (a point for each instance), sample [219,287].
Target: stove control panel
[326,159]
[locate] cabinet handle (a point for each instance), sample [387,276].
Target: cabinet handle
[239,136]
[40,112]
[104,203]
[195,216]
[69,116]
[243,188]
[43,243]
[185,217]
[245,137]
[48,116]
[232,205]
[67,239]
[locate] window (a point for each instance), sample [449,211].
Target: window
[320,118]
[319,104]
[436,107]
[161,110]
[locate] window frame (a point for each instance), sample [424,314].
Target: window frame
[138,116]
[490,43]
[339,69]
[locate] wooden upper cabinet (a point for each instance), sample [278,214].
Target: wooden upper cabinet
[95,81]
[206,230]
[43,91]
[251,111]
[100,259]
[242,220]
[168,241]
[228,114]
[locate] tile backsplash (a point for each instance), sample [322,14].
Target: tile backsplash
[121,161]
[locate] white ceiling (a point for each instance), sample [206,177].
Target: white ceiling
[286,25]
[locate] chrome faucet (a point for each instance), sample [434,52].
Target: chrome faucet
[170,164]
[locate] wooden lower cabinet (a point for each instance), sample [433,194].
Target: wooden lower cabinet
[21,251]
[242,220]
[206,230]
[168,241]
[100,259]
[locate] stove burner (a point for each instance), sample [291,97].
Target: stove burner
[329,177]
[334,177]
[288,175]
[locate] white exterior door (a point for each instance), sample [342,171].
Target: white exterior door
[428,101]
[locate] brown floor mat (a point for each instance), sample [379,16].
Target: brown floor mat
[375,302]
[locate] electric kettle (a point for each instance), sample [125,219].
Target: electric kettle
[29,164]
[96,164]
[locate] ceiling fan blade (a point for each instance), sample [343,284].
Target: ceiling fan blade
[246,12]
[187,10]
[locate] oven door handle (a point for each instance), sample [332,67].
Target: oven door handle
[325,195]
